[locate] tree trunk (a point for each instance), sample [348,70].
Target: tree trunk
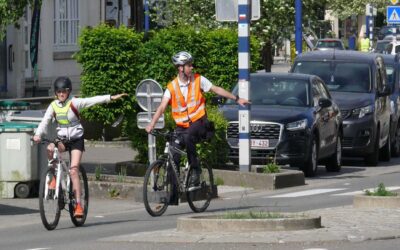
[267,57]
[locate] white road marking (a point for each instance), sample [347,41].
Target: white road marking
[362,191]
[42,248]
[99,216]
[307,193]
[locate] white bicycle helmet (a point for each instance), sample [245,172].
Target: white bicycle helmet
[182,58]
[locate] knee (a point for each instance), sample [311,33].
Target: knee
[74,170]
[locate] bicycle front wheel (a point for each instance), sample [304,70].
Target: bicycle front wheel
[199,199]
[157,188]
[49,205]
[84,190]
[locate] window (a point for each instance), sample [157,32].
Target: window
[66,24]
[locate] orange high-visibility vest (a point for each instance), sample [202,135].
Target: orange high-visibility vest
[186,112]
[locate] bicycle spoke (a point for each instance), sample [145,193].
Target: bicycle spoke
[48,204]
[199,199]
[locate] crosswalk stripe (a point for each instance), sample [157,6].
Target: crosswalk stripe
[362,191]
[307,193]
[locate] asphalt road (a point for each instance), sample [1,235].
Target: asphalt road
[21,228]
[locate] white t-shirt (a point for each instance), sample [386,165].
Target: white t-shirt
[205,85]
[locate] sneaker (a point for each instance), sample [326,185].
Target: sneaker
[78,213]
[194,182]
[52,183]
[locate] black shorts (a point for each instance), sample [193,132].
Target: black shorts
[78,144]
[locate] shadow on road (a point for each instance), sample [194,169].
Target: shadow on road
[13,210]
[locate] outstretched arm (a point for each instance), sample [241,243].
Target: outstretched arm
[222,92]
[115,97]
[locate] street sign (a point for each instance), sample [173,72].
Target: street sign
[227,10]
[149,95]
[392,14]
[143,120]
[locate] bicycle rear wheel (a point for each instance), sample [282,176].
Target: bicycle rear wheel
[84,198]
[49,206]
[157,188]
[199,199]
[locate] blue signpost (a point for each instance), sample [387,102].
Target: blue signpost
[298,23]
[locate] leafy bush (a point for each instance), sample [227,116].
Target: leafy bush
[110,60]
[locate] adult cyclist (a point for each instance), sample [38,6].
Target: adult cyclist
[185,95]
[65,110]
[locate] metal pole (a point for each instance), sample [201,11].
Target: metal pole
[151,138]
[146,16]
[298,33]
[371,30]
[244,15]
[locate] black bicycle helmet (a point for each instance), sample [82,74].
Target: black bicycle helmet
[182,58]
[61,83]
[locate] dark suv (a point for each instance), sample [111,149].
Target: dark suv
[357,82]
[293,121]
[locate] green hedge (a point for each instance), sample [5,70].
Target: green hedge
[110,62]
[115,60]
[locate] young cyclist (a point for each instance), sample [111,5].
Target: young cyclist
[185,95]
[65,109]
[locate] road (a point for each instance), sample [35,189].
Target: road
[21,228]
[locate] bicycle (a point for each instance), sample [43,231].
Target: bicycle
[51,202]
[165,182]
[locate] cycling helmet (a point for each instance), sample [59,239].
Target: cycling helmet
[62,82]
[182,58]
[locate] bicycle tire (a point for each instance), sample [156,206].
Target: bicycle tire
[49,208]
[200,199]
[156,197]
[84,198]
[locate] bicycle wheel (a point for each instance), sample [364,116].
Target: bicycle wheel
[84,198]
[49,206]
[157,188]
[199,199]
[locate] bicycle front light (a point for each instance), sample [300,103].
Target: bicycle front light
[297,125]
[361,112]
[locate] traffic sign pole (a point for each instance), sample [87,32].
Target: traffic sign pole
[151,138]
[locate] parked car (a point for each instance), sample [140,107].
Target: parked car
[357,82]
[387,30]
[293,121]
[380,46]
[392,63]
[329,43]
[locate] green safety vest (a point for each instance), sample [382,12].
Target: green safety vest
[61,114]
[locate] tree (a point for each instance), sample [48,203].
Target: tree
[276,22]
[346,8]
[10,12]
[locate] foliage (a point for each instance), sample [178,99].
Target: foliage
[271,167]
[218,181]
[380,191]
[10,12]
[345,8]
[97,172]
[110,61]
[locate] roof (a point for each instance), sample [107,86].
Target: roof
[342,55]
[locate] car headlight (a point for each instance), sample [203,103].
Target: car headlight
[297,125]
[361,112]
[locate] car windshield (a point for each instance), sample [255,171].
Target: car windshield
[277,91]
[390,75]
[329,44]
[381,46]
[342,77]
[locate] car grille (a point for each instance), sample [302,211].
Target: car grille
[258,130]
[345,113]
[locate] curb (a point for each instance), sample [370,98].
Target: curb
[214,223]
[365,201]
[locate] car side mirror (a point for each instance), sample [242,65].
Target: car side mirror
[324,103]
[386,90]
[217,100]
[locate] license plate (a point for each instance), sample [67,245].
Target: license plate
[258,143]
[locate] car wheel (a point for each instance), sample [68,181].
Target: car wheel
[311,165]
[334,163]
[396,142]
[385,151]
[372,158]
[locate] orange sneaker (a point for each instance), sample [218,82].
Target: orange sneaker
[78,213]
[52,183]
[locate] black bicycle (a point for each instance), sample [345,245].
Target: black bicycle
[165,182]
